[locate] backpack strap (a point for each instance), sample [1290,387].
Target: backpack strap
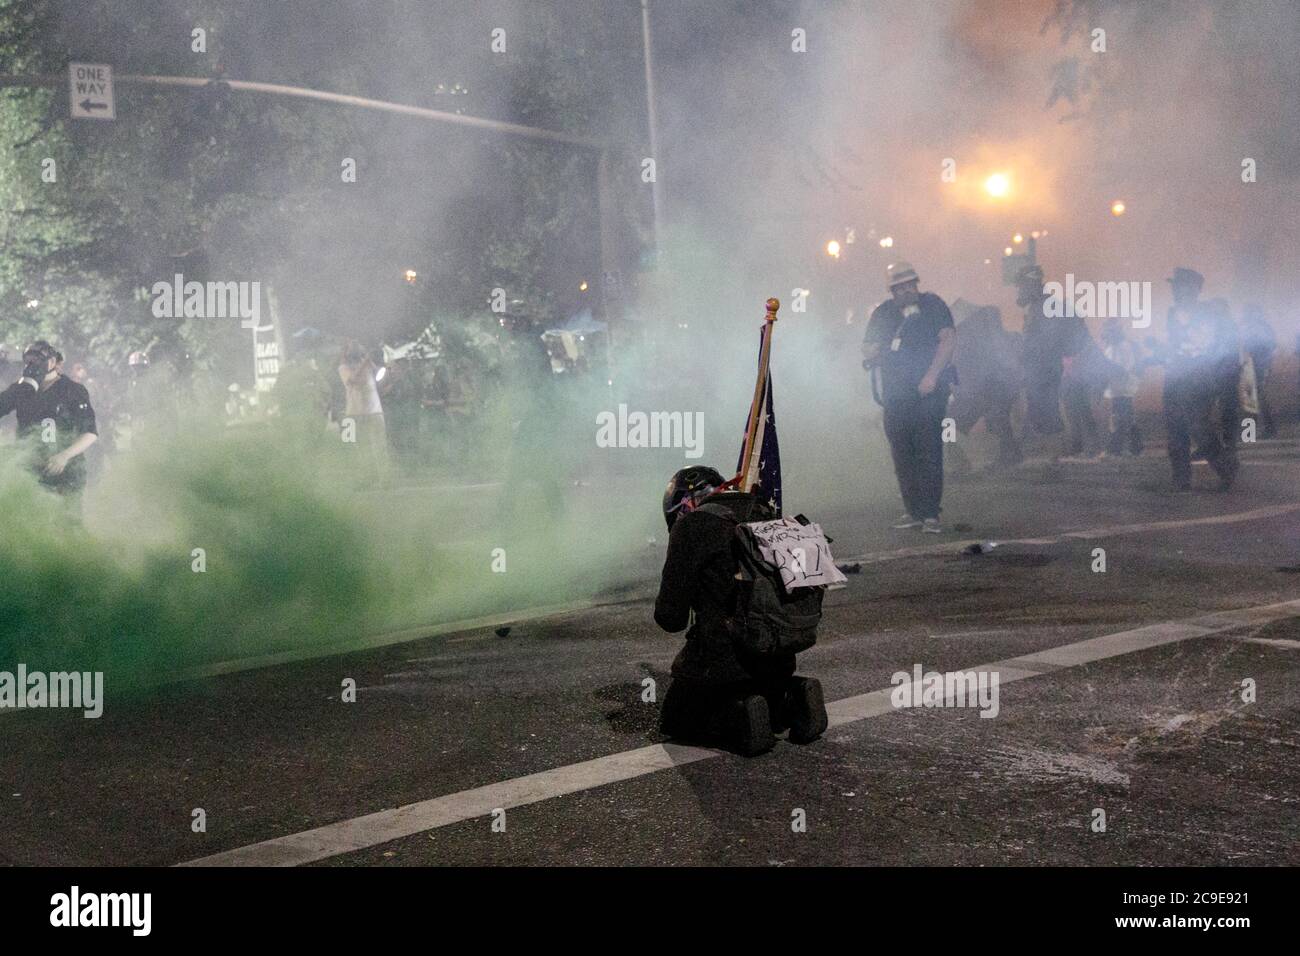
[738,543]
[721,511]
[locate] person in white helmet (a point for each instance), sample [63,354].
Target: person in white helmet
[910,337]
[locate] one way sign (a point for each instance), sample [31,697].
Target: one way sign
[90,91]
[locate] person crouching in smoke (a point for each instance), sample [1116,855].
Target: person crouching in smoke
[721,693]
[57,411]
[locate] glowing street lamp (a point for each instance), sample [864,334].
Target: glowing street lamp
[410,275]
[998,185]
[1117,207]
[582,286]
[887,242]
[833,249]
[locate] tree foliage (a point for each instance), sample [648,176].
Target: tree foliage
[232,185]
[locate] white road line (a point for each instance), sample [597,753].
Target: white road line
[386,825]
[1272,642]
[373,641]
[1195,464]
[373,829]
[952,547]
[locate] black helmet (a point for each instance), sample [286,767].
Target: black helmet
[36,358]
[691,485]
[42,348]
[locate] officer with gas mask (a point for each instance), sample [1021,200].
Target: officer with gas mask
[55,415]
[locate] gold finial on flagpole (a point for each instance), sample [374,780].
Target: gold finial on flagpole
[772,306]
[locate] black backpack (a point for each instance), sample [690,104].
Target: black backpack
[763,617]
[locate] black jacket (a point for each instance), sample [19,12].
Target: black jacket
[1202,349]
[917,335]
[698,577]
[68,405]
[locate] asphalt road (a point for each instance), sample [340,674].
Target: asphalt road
[1154,731]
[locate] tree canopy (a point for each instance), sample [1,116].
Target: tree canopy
[226,185]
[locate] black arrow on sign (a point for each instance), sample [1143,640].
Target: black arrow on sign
[87,104]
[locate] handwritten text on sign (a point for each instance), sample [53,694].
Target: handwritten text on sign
[799,552]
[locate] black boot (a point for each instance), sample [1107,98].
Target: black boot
[806,710]
[695,712]
[751,726]
[778,711]
[673,719]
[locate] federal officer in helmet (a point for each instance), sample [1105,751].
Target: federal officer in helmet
[910,337]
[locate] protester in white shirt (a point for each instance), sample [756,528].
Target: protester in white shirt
[363,408]
[1122,390]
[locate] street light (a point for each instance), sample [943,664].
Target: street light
[998,185]
[833,249]
[1117,207]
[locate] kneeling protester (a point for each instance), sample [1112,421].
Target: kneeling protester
[749,584]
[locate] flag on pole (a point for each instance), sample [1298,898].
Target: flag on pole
[759,467]
[763,475]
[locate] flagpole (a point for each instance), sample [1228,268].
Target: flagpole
[751,449]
